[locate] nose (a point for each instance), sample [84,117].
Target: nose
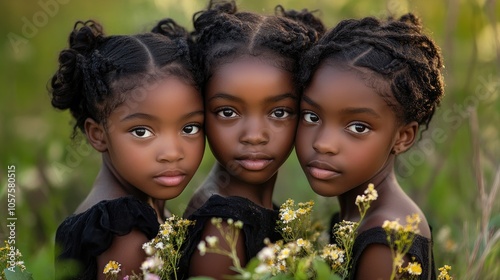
[327,141]
[169,149]
[254,131]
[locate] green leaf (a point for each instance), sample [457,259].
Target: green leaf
[302,270]
[323,270]
[17,274]
[281,277]
[252,265]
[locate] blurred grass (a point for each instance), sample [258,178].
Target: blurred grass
[440,173]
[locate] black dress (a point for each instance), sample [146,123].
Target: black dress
[84,236]
[258,223]
[421,248]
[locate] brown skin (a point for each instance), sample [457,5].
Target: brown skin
[348,136]
[250,120]
[150,150]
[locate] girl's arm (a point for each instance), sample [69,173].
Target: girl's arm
[216,265]
[127,250]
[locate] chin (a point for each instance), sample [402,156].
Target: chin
[323,189]
[256,179]
[168,194]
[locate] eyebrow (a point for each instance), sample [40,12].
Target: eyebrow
[310,102]
[153,118]
[361,110]
[272,99]
[226,96]
[139,116]
[281,97]
[192,114]
[352,111]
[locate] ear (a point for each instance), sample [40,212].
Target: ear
[405,138]
[96,135]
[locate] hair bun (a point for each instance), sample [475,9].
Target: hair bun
[67,85]
[228,7]
[86,36]
[412,19]
[168,27]
[305,17]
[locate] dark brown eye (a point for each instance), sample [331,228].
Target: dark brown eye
[191,129]
[358,128]
[227,113]
[280,113]
[141,132]
[311,117]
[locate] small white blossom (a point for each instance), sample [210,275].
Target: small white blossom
[202,247]
[262,269]
[151,264]
[266,253]
[285,253]
[159,245]
[212,241]
[148,248]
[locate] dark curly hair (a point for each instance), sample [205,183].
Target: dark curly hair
[97,73]
[408,62]
[223,34]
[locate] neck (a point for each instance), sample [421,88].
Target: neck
[110,185]
[384,182]
[222,182]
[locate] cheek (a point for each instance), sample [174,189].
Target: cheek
[285,135]
[368,156]
[303,139]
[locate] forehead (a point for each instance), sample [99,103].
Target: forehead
[170,96]
[248,77]
[335,86]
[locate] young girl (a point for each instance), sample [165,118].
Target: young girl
[370,85]
[136,100]
[251,104]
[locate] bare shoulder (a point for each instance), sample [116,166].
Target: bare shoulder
[216,265]
[127,250]
[374,263]
[399,210]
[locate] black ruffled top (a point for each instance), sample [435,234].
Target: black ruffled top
[258,223]
[421,248]
[84,236]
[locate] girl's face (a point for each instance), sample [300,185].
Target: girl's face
[345,134]
[155,141]
[251,109]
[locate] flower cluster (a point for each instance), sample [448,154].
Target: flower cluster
[285,258]
[363,201]
[11,263]
[295,221]
[112,269]
[164,253]
[345,233]
[444,273]
[164,250]
[230,232]
[400,239]
[334,256]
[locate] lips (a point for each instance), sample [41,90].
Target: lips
[322,170]
[170,178]
[254,161]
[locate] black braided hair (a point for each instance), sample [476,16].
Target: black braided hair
[223,34]
[408,61]
[98,72]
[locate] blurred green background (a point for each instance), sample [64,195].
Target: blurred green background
[450,173]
